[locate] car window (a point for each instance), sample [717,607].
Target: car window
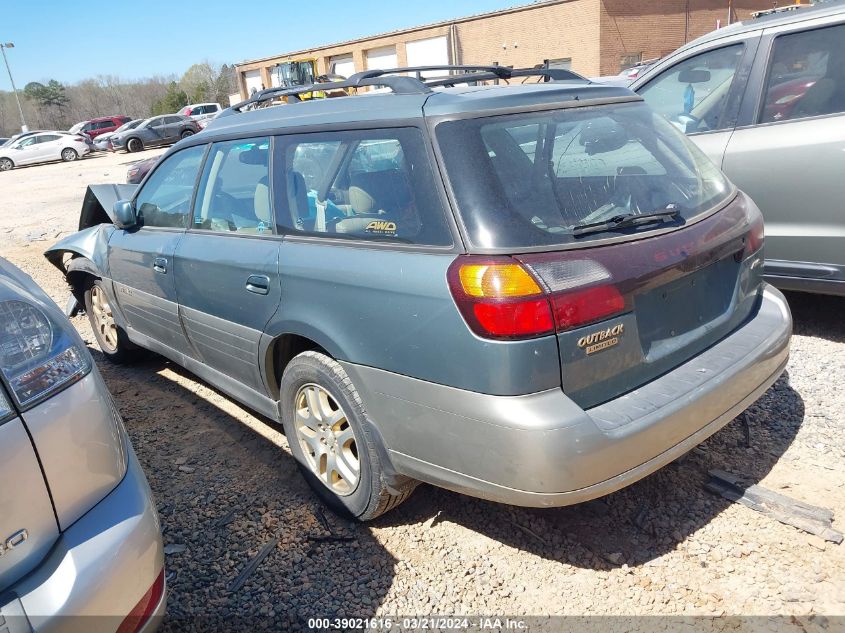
[693,93]
[165,198]
[47,138]
[806,75]
[536,179]
[170,120]
[234,191]
[27,142]
[373,184]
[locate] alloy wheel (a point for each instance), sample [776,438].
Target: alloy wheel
[327,439]
[104,319]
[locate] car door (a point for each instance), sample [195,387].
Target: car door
[789,155]
[173,128]
[26,151]
[141,258]
[227,264]
[157,131]
[49,146]
[700,89]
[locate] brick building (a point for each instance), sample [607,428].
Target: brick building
[592,37]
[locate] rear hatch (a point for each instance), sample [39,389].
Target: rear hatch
[28,525]
[680,293]
[643,251]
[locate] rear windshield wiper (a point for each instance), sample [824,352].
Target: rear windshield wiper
[666,214]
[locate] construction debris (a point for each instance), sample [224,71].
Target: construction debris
[809,518]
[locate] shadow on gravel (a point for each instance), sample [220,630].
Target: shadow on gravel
[818,315]
[639,523]
[226,495]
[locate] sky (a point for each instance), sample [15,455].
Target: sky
[71,40]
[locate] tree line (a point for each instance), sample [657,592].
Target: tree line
[52,105]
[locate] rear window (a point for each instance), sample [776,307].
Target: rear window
[529,179]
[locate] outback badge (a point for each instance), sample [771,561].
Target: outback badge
[597,341]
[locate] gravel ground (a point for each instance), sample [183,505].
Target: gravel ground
[227,488]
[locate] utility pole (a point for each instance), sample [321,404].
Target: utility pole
[3,48]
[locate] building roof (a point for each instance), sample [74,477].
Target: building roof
[421,27]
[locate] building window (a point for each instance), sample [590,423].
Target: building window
[629,61]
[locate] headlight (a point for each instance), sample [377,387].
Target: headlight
[37,355]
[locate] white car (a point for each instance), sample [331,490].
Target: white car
[202,113]
[42,148]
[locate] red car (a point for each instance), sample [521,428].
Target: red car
[101,125]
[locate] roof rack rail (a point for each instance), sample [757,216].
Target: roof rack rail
[403,84]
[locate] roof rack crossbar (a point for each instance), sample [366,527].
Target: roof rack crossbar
[399,82]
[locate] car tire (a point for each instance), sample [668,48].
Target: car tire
[112,339]
[134,145]
[322,411]
[186,134]
[69,154]
[6,164]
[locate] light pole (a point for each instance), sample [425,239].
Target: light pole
[3,48]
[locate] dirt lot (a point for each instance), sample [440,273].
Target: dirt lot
[226,487]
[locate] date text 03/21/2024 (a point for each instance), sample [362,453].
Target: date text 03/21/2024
[417,624]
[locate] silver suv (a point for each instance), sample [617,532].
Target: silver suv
[765,100]
[532,293]
[79,534]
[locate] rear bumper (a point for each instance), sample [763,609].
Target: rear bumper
[543,450]
[101,565]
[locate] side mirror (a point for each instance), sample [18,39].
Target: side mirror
[694,76]
[124,214]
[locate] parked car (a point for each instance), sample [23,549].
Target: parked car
[765,100]
[103,141]
[201,112]
[536,294]
[155,132]
[100,125]
[43,147]
[3,141]
[135,174]
[80,534]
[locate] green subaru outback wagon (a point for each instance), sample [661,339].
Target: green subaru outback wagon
[535,293]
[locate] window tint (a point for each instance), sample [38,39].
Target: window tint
[165,198]
[806,76]
[693,93]
[374,184]
[47,138]
[234,192]
[527,179]
[103,124]
[27,142]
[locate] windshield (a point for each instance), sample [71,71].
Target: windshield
[531,179]
[295,74]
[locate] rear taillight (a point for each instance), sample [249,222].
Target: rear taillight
[573,309]
[756,236]
[501,298]
[498,298]
[144,610]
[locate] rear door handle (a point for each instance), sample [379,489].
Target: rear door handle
[160,265]
[259,284]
